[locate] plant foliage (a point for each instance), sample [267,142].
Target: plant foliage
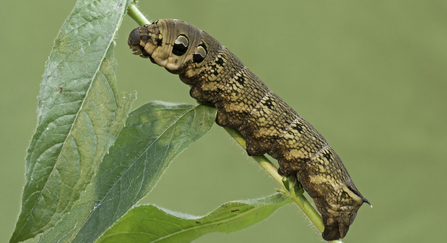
[91,159]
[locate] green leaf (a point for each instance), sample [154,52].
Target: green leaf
[80,113]
[149,223]
[154,135]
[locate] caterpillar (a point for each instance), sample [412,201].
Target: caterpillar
[245,103]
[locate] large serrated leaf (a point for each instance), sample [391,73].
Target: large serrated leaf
[154,135]
[80,113]
[149,223]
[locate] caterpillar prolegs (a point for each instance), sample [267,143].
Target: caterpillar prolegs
[245,103]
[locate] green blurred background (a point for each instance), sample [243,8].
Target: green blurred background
[369,75]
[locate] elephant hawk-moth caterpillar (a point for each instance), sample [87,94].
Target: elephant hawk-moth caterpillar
[245,103]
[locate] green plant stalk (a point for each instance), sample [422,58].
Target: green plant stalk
[263,161]
[136,15]
[271,169]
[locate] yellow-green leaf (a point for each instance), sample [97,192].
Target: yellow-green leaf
[149,223]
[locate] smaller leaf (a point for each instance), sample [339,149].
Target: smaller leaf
[155,134]
[149,223]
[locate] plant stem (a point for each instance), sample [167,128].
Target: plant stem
[136,15]
[271,169]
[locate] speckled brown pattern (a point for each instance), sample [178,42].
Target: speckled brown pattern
[245,103]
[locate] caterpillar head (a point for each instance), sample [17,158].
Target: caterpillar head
[170,43]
